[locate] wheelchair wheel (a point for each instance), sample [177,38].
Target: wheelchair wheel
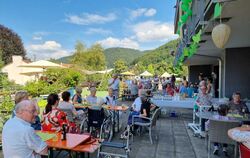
[84,127]
[107,133]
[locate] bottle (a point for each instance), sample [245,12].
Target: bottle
[63,135]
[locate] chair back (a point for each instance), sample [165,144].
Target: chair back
[70,115]
[218,131]
[244,151]
[155,116]
[95,117]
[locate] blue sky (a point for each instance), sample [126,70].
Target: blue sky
[50,28]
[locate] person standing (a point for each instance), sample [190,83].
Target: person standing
[18,137]
[114,84]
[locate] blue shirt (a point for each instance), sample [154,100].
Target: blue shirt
[20,140]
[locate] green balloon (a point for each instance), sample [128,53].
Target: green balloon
[184,18]
[189,12]
[184,7]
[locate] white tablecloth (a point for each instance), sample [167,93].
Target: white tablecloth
[186,103]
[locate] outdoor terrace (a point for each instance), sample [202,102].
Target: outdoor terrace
[175,140]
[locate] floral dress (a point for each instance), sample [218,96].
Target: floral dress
[53,120]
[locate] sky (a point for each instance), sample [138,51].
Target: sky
[50,28]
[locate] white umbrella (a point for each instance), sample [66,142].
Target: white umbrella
[166,74]
[42,64]
[146,73]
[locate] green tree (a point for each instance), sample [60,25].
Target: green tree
[1,60]
[90,59]
[151,68]
[120,66]
[10,44]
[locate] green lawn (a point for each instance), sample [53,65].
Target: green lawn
[85,93]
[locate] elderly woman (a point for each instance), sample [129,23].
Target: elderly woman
[110,98]
[96,103]
[20,96]
[203,99]
[77,98]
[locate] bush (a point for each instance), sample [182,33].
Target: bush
[37,88]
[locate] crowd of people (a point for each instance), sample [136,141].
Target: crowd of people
[25,116]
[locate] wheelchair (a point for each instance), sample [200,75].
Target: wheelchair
[98,124]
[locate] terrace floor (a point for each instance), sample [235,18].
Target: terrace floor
[175,140]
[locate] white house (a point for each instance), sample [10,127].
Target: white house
[14,71]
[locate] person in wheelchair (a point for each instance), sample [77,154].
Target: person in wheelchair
[110,99]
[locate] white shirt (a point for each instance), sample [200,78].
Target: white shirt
[242,136]
[110,100]
[20,140]
[115,85]
[67,106]
[137,104]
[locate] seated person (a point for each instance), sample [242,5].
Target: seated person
[65,104]
[53,118]
[183,89]
[237,106]
[77,98]
[18,137]
[37,124]
[110,98]
[169,89]
[222,115]
[190,90]
[96,103]
[142,107]
[20,96]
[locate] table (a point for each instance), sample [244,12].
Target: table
[169,103]
[89,147]
[232,118]
[116,109]
[72,140]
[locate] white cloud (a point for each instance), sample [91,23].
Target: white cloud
[150,12]
[115,42]
[39,35]
[154,31]
[47,50]
[37,38]
[98,31]
[142,12]
[87,19]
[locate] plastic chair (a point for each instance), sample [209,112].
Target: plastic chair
[218,133]
[149,122]
[244,151]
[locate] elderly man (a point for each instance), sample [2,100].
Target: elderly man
[237,106]
[114,84]
[18,137]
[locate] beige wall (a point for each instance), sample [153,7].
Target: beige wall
[13,70]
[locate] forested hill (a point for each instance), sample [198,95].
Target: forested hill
[126,54]
[160,59]
[113,54]
[162,53]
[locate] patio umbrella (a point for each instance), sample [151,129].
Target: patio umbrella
[42,64]
[146,73]
[127,73]
[166,74]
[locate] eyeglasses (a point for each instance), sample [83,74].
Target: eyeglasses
[30,111]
